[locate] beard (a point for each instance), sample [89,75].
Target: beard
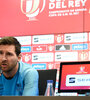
[8,67]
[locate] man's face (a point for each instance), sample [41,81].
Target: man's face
[8,58]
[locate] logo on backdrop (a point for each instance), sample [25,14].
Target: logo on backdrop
[81,70]
[32,8]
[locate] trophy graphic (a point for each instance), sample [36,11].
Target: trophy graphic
[82,70]
[31,8]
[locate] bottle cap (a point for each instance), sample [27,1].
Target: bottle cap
[49,81]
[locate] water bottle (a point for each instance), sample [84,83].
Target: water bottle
[49,89]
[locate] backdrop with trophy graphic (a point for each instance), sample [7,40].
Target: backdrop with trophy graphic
[31,17]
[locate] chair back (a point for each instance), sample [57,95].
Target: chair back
[45,75]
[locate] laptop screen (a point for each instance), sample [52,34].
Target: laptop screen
[74,77]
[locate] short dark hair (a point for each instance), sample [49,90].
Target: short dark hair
[11,41]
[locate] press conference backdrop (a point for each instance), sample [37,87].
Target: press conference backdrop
[48,51]
[50,32]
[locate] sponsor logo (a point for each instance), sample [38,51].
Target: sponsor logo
[36,39]
[42,57]
[76,37]
[72,80]
[58,56]
[78,80]
[35,57]
[62,47]
[33,8]
[26,49]
[24,40]
[66,56]
[68,38]
[79,46]
[19,88]
[39,48]
[43,39]
[39,66]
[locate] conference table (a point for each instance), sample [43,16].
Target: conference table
[44,97]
